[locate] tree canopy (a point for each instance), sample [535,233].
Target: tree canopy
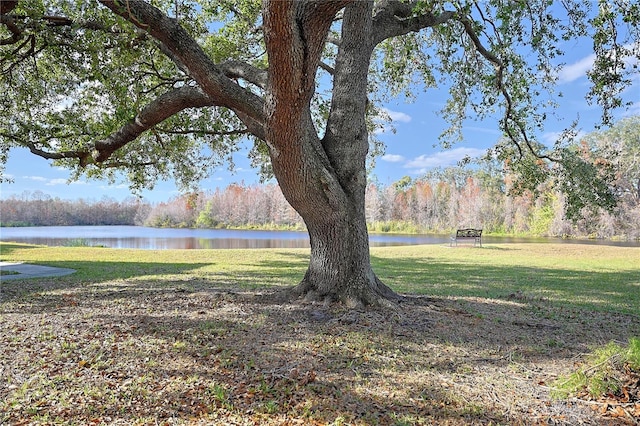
[82,80]
[167,89]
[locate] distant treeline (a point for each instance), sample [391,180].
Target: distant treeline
[483,196]
[40,209]
[236,206]
[440,202]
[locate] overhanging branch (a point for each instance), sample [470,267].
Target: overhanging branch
[242,70]
[203,132]
[328,68]
[509,115]
[186,52]
[16,32]
[154,113]
[395,18]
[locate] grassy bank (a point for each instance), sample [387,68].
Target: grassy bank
[192,337]
[595,277]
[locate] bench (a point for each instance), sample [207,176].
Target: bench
[467,234]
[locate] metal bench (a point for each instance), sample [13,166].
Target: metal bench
[467,234]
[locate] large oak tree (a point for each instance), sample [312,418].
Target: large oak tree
[167,88]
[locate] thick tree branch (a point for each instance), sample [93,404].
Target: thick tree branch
[187,52]
[255,127]
[156,112]
[16,32]
[82,156]
[295,149]
[394,18]
[123,164]
[18,24]
[59,155]
[333,39]
[7,6]
[349,100]
[242,70]
[314,19]
[328,68]
[203,132]
[306,25]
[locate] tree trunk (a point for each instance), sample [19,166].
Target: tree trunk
[340,266]
[324,180]
[334,213]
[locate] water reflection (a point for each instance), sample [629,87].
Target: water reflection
[138,237]
[158,239]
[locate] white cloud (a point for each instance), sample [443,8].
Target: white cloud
[112,187]
[53,182]
[576,70]
[36,178]
[475,129]
[549,138]
[397,115]
[384,129]
[392,158]
[442,158]
[387,118]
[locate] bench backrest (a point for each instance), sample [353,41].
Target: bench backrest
[469,233]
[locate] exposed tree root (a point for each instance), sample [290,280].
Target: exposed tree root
[356,296]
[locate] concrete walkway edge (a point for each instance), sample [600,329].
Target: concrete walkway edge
[25,270]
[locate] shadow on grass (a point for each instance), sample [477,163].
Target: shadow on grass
[617,291]
[91,274]
[160,355]
[275,364]
[152,342]
[8,247]
[113,280]
[293,264]
[149,342]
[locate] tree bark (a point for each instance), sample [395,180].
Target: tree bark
[340,265]
[324,180]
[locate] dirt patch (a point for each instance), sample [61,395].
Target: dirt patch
[182,353]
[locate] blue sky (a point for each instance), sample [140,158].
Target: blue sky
[411,150]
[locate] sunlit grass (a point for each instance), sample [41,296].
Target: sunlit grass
[179,336]
[593,276]
[599,376]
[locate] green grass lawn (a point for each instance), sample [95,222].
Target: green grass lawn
[591,276]
[191,337]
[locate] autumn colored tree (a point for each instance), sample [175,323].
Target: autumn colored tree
[619,149]
[40,209]
[166,88]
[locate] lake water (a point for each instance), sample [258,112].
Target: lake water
[140,237]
